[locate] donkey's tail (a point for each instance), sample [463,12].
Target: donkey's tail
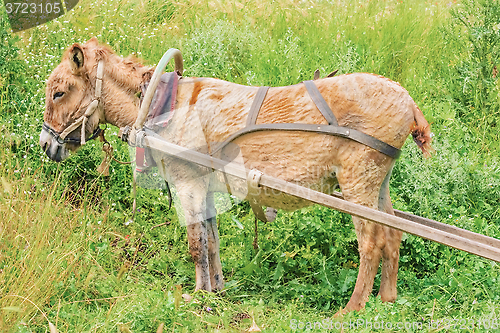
[422,132]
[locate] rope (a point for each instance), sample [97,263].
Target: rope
[256,235]
[108,149]
[103,169]
[108,156]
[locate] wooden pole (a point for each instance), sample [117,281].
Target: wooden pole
[457,238]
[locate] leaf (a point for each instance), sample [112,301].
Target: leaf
[250,268]
[12,309]
[6,186]
[402,301]
[254,265]
[238,223]
[254,328]
[278,273]
[125,267]
[52,328]
[123,328]
[177,295]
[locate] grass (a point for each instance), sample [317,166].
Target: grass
[68,258]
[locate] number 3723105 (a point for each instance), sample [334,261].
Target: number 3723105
[33,8]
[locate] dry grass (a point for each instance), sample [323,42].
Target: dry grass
[40,249]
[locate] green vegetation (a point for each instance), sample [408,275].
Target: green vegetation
[67,257]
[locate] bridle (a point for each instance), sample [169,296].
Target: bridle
[59,136]
[96,104]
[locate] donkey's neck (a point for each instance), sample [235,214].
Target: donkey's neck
[121,85]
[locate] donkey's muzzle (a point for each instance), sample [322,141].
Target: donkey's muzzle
[55,150]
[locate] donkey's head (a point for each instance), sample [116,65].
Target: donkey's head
[70,91]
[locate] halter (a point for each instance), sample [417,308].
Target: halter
[93,106]
[60,140]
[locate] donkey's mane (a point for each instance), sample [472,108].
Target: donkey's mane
[121,69]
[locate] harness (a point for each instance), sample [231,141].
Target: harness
[96,104]
[163,104]
[332,128]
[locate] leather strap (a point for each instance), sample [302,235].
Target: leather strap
[91,108]
[332,128]
[253,180]
[339,131]
[320,103]
[257,103]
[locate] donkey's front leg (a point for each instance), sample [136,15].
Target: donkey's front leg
[216,278]
[193,197]
[198,247]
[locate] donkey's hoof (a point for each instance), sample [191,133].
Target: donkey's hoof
[187,298]
[271,214]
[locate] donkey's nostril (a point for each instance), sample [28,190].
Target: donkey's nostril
[45,146]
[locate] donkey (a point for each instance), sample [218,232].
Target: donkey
[210,110]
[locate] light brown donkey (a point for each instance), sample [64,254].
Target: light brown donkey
[210,110]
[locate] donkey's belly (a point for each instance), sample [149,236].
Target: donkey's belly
[268,196]
[306,159]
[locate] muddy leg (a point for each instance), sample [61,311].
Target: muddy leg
[390,254]
[216,278]
[192,197]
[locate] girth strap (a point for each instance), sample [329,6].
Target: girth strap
[332,128]
[339,131]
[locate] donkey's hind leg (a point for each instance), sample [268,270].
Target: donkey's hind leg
[216,278]
[360,178]
[390,254]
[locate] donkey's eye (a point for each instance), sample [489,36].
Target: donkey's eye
[58,94]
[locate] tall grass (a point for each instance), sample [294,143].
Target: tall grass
[67,257]
[43,243]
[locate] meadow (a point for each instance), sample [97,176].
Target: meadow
[69,257]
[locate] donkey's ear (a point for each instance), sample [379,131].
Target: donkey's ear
[92,41]
[76,58]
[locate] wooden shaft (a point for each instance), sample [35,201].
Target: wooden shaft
[464,240]
[421,230]
[443,226]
